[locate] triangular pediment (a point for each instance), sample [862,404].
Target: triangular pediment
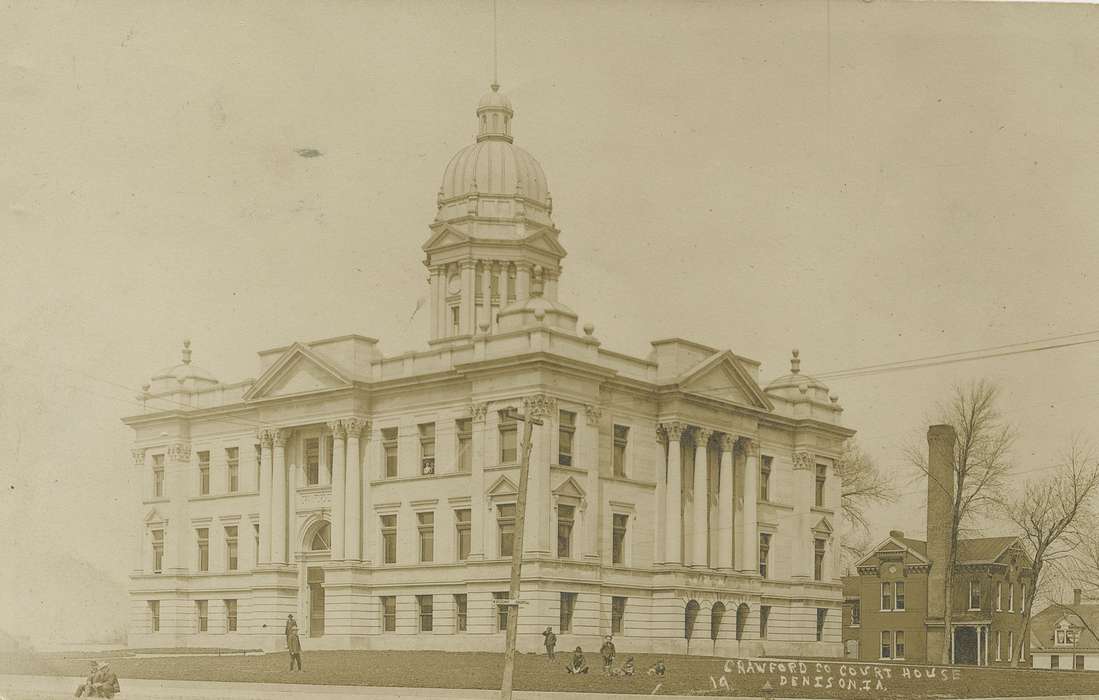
[503,487]
[890,545]
[445,236]
[723,377]
[569,489]
[823,527]
[153,516]
[544,240]
[298,371]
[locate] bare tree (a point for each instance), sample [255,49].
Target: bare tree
[1048,513]
[863,485]
[980,469]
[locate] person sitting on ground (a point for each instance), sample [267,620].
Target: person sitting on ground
[628,668]
[607,652]
[102,683]
[577,664]
[657,669]
[85,688]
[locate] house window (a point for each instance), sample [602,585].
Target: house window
[764,618]
[255,543]
[564,531]
[900,595]
[974,595]
[887,596]
[1054,661]
[1010,644]
[158,551]
[158,476]
[822,613]
[568,605]
[203,537]
[764,552]
[621,438]
[1078,662]
[311,448]
[505,521]
[322,539]
[154,615]
[618,538]
[1011,597]
[389,613]
[232,468]
[999,597]
[999,645]
[690,616]
[886,644]
[455,320]
[856,613]
[427,536]
[389,444]
[230,616]
[202,607]
[501,610]
[565,432]
[818,559]
[618,613]
[426,605]
[765,478]
[509,450]
[259,465]
[460,611]
[462,524]
[204,473]
[898,644]
[465,445]
[741,620]
[329,454]
[427,448]
[822,476]
[231,548]
[1022,600]
[389,539]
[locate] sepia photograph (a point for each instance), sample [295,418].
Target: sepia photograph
[547,349]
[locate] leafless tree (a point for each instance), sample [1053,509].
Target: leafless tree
[863,485]
[1048,513]
[980,469]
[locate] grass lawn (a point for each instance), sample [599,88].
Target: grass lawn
[430,669]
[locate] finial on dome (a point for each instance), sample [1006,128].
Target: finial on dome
[186,352]
[795,361]
[495,86]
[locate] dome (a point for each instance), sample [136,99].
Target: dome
[185,371]
[494,99]
[795,378]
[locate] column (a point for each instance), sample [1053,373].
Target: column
[478,512]
[725,504]
[140,470]
[486,293]
[265,437]
[673,503]
[278,497]
[660,496]
[589,450]
[522,281]
[468,308]
[804,482]
[179,484]
[750,537]
[700,506]
[505,282]
[339,479]
[354,511]
[536,534]
[435,281]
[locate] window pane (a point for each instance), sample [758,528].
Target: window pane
[312,459]
[618,614]
[618,538]
[460,603]
[621,438]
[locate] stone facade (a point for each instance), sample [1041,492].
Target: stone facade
[370,495]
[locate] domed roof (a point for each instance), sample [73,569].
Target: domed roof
[185,370]
[494,98]
[796,378]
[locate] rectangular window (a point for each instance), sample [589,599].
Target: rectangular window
[501,610]
[505,521]
[764,618]
[999,597]
[898,644]
[389,613]
[1022,650]
[465,445]
[618,538]
[509,449]
[202,607]
[822,476]
[1011,597]
[764,552]
[427,448]
[822,613]
[389,539]
[203,537]
[1010,644]
[818,560]
[255,544]
[259,465]
[765,478]
[974,595]
[886,596]
[886,644]
[1078,662]
[427,536]
[621,439]
[426,605]
[1060,637]
[900,596]
[999,643]
[158,551]
[230,616]
[311,459]
[329,454]
[232,468]
[618,613]
[564,531]
[1055,662]
[455,320]
[462,524]
[460,611]
[856,613]
[1022,600]
[158,476]
[568,605]
[566,429]
[154,615]
[389,444]
[204,473]
[231,548]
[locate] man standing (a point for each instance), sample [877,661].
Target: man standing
[607,652]
[293,644]
[551,642]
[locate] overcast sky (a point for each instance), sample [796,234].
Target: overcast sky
[866,181]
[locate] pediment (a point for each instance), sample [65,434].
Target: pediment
[569,489]
[447,235]
[298,371]
[823,527]
[890,545]
[153,516]
[545,241]
[503,487]
[723,377]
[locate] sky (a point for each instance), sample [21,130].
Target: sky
[864,181]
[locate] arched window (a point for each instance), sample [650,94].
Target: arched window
[716,616]
[322,539]
[741,620]
[690,615]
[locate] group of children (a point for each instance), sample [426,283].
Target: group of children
[578,664]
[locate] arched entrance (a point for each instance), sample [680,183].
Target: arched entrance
[316,549]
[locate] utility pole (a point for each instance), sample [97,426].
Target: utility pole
[517,552]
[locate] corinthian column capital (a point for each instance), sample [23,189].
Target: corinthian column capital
[139,455]
[180,452]
[727,442]
[355,426]
[594,414]
[803,459]
[539,405]
[702,436]
[478,411]
[281,436]
[336,428]
[674,430]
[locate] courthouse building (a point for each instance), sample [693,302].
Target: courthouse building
[675,501]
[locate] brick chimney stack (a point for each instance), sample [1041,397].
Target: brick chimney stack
[940,503]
